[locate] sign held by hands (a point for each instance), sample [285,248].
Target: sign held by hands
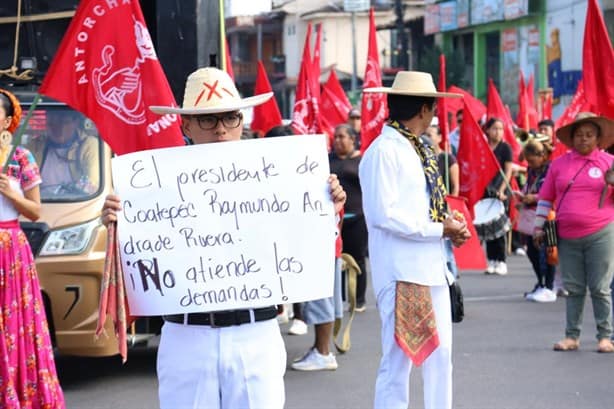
[222,226]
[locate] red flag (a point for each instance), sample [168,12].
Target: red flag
[578,104]
[305,116]
[522,118]
[316,59]
[228,60]
[477,107]
[597,62]
[476,161]
[442,111]
[335,104]
[106,68]
[532,110]
[530,90]
[374,109]
[496,109]
[267,115]
[470,256]
[545,105]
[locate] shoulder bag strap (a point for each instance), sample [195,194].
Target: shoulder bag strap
[569,186]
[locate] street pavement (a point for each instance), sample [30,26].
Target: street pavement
[503,359]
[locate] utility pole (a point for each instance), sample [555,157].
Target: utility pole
[354,69]
[401,35]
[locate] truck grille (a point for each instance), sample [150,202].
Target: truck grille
[36,233]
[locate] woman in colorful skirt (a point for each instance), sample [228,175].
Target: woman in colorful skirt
[27,370]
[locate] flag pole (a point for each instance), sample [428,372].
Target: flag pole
[445,157]
[17,137]
[222,52]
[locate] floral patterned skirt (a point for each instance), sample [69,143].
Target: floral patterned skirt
[27,370]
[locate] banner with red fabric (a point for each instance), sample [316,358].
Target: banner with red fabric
[106,67]
[597,62]
[442,110]
[470,256]
[267,115]
[496,109]
[476,161]
[334,102]
[374,109]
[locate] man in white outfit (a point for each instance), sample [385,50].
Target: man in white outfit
[407,222]
[224,359]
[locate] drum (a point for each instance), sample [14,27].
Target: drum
[490,221]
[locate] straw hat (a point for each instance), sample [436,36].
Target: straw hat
[606,126]
[209,91]
[413,83]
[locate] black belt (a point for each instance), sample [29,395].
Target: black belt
[224,318]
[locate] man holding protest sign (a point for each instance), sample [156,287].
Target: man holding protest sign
[406,215]
[226,359]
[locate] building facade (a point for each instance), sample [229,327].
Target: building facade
[501,38]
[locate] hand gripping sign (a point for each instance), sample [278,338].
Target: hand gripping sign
[227,225]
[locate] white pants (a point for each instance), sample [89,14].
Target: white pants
[392,384]
[233,367]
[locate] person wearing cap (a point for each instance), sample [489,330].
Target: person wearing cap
[407,221]
[201,362]
[28,377]
[581,185]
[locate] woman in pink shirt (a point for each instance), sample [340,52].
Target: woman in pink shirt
[579,186]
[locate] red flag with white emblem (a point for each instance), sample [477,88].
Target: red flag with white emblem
[305,115]
[374,106]
[106,67]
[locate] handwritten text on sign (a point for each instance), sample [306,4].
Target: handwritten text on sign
[226,225]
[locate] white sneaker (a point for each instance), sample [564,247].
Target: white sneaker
[298,327]
[314,361]
[490,269]
[500,268]
[520,252]
[544,295]
[529,296]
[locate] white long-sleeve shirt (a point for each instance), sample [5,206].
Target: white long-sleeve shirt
[404,244]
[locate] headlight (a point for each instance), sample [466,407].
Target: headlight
[71,240]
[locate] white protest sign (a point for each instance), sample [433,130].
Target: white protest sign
[229,225]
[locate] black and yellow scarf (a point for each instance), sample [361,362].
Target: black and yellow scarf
[438,206]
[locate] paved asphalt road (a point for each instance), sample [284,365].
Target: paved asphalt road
[503,359]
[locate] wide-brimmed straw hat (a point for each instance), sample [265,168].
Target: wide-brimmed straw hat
[413,83]
[605,125]
[208,91]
